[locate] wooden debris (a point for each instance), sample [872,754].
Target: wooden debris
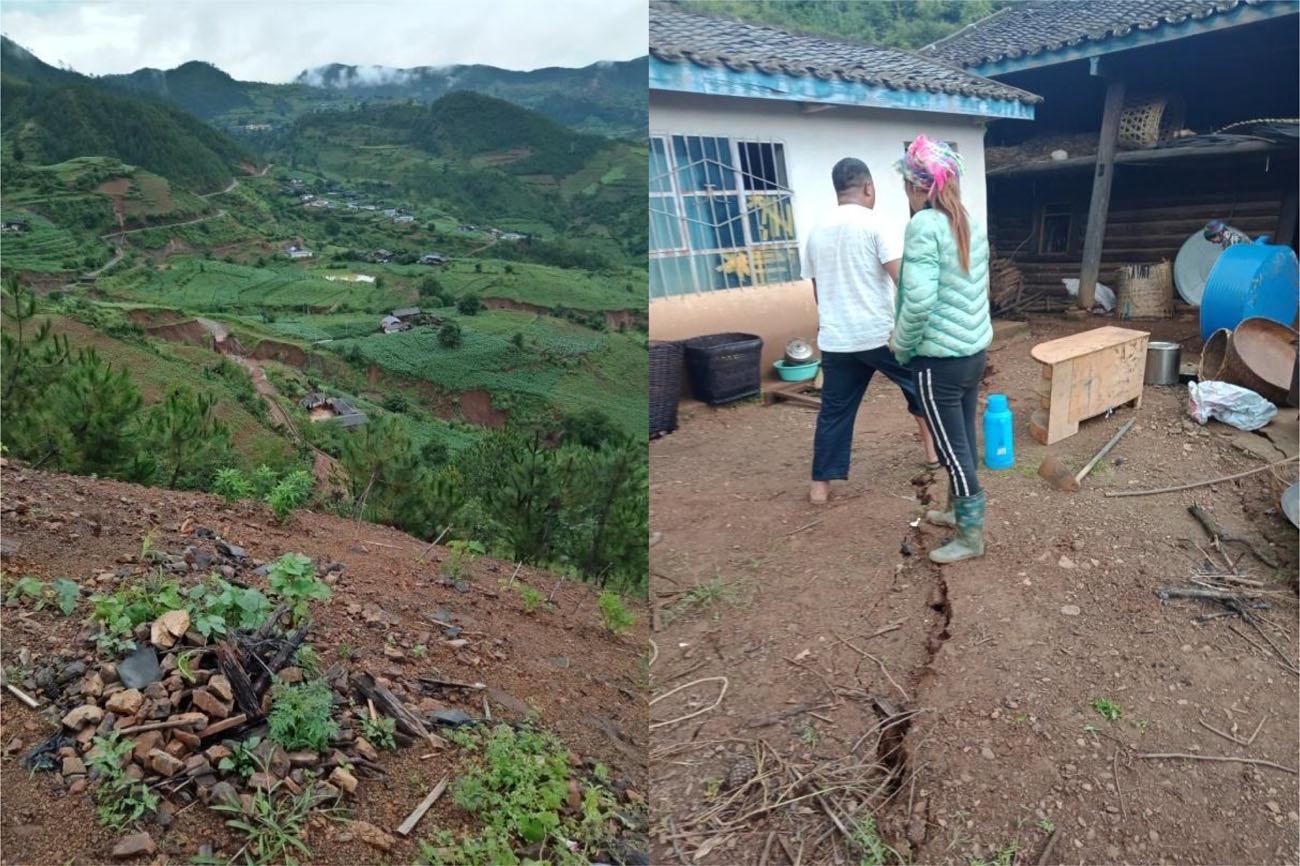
[19,693]
[1200,483]
[393,706]
[414,818]
[1217,535]
[246,697]
[223,726]
[279,660]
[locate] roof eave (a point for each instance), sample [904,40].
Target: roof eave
[687,77]
[1135,38]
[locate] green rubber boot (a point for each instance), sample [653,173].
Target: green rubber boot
[945,517]
[969,542]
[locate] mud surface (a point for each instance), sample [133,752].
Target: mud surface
[817,615]
[584,684]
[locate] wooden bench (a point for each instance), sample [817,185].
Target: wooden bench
[1085,375]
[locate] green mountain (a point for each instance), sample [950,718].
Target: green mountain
[52,115]
[200,88]
[605,98]
[482,158]
[612,94]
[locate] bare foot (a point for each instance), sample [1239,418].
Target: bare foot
[819,492]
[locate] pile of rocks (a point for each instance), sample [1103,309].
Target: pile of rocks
[182,725]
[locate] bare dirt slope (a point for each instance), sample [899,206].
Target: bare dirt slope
[834,640]
[583,683]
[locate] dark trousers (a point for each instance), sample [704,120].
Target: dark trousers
[845,376]
[949,389]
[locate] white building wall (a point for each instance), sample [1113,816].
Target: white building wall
[815,141]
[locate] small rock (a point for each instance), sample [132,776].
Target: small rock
[453,717]
[208,703]
[305,758]
[290,675]
[262,781]
[135,845]
[987,754]
[140,668]
[372,835]
[1070,609]
[216,753]
[364,749]
[222,792]
[146,743]
[86,714]
[169,628]
[1065,562]
[93,685]
[164,763]
[125,703]
[343,779]
[393,653]
[232,551]
[220,686]
[74,766]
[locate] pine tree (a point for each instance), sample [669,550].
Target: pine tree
[96,409]
[187,438]
[32,358]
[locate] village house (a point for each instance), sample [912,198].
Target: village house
[14,225]
[512,236]
[404,218]
[1157,117]
[294,251]
[391,325]
[434,259]
[381,256]
[746,122]
[321,407]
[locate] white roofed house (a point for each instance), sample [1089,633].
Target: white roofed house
[746,122]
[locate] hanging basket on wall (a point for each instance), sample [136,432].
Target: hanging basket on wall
[1149,120]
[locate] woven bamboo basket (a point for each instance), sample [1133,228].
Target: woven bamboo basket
[1145,291]
[1149,120]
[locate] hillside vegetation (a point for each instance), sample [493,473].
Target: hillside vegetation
[52,115]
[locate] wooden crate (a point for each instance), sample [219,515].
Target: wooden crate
[1085,375]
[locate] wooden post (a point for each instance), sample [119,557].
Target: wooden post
[1100,205]
[1286,218]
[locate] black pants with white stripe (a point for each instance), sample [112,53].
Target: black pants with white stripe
[949,389]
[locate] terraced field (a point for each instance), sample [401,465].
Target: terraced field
[45,248]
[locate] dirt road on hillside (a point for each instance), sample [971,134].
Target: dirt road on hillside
[961,703]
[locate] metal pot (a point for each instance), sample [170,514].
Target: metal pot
[798,351]
[1163,360]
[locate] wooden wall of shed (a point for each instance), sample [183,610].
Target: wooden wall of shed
[1153,209]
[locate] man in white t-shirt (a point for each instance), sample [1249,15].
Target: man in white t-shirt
[853,262]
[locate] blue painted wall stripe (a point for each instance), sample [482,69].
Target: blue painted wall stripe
[1139,38]
[752,84]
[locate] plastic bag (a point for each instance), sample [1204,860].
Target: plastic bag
[1231,404]
[1103,295]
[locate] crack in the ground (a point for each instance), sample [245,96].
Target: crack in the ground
[895,751]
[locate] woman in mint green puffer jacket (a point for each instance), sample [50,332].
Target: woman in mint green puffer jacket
[942,330]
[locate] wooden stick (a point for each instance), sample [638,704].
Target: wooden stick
[518,566]
[1105,449]
[22,696]
[222,726]
[162,726]
[1046,857]
[1259,761]
[1199,483]
[435,543]
[414,818]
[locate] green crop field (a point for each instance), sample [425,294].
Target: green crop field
[559,366]
[46,248]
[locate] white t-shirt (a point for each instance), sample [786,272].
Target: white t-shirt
[855,295]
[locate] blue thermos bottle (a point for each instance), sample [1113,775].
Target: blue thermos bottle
[999,447]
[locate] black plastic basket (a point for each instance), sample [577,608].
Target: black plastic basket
[665,386]
[724,367]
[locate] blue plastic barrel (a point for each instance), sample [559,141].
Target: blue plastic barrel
[1257,279]
[999,446]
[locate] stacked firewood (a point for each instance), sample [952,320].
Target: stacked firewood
[1005,283]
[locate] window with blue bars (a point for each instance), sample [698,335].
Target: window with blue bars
[721,215]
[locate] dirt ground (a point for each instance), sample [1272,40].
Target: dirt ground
[958,702]
[585,685]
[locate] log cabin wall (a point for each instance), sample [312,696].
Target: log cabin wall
[1038,220]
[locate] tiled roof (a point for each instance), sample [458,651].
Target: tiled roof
[1038,26]
[680,37]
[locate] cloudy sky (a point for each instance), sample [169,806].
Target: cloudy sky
[273,40]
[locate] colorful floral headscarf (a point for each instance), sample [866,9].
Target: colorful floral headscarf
[930,164]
